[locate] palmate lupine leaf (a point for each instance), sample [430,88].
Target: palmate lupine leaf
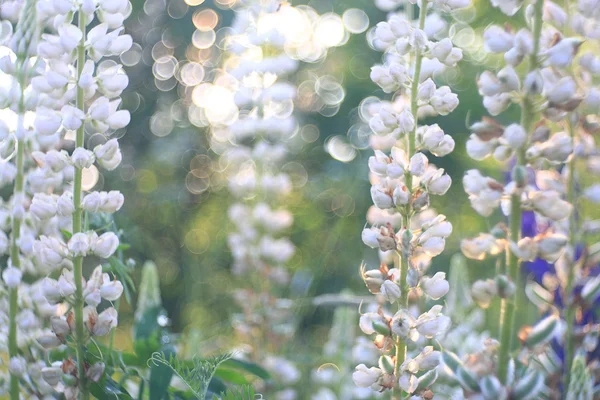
[196,378]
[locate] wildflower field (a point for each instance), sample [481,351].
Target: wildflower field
[300,200]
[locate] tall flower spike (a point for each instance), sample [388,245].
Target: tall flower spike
[78,97]
[404,228]
[540,197]
[23,44]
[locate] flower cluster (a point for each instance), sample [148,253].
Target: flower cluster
[61,95]
[556,100]
[404,227]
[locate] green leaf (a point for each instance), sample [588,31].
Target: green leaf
[66,234]
[249,367]
[160,376]
[108,389]
[231,376]
[122,272]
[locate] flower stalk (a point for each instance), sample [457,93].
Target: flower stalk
[528,112]
[79,304]
[404,257]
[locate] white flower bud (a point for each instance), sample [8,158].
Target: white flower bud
[549,204]
[434,246]
[112,290]
[106,245]
[17,366]
[382,197]
[563,91]
[561,54]
[390,291]
[82,158]
[52,375]
[49,341]
[47,122]
[408,383]
[92,202]
[60,326]
[64,205]
[534,83]
[551,246]
[401,195]
[43,206]
[108,155]
[12,277]
[426,90]
[403,325]
[72,117]
[444,101]
[418,164]
[515,136]
[366,377]
[497,40]
[483,292]
[370,321]
[100,325]
[79,244]
[406,121]
[433,323]
[437,286]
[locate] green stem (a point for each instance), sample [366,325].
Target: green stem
[15,254]
[510,306]
[397,392]
[80,336]
[571,307]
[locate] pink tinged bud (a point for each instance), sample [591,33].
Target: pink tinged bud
[378,163]
[12,277]
[401,195]
[437,286]
[390,291]
[100,325]
[561,54]
[95,372]
[79,245]
[106,245]
[381,197]
[60,326]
